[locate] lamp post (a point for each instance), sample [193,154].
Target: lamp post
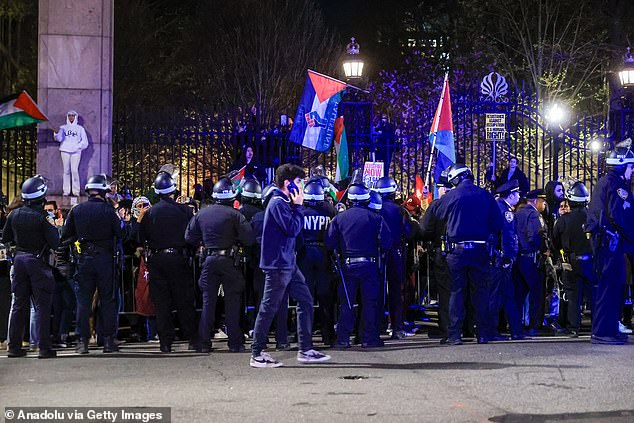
[621,107]
[353,61]
[555,115]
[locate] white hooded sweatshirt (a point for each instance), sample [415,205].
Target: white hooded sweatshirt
[72,136]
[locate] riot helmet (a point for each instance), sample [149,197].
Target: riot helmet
[457,173]
[164,183]
[386,186]
[34,189]
[98,183]
[224,192]
[313,193]
[443,181]
[251,192]
[358,194]
[267,193]
[578,194]
[376,202]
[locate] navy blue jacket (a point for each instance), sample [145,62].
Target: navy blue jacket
[163,225]
[611,205]
[358,232]
[315,223]
[508,240]
[219,227]
[432,228]
[530,226]
[29,229]
[397,220]
[471,213]
[282,224]
[94,221]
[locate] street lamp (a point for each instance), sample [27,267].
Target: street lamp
[626,75]
[555,114]
[353,62]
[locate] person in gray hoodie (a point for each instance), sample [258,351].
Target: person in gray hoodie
[73,140]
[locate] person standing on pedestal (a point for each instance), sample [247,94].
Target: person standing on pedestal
[73,139]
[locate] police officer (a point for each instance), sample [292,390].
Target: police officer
[250,199]
[433,230]
[98,228]
[401,230]
[501,288]
[473,220]
[34,234]
[220,228]
[312,257]
[569,236]
[162,228]
[327,204]
[531,232]
[358,234]
[281,318]
[376,202]
[611,224]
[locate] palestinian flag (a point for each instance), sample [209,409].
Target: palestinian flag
[341,148]
[19,110]
[238,177]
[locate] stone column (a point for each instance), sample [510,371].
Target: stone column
[75,45]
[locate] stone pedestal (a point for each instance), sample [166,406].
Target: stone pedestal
[75,42]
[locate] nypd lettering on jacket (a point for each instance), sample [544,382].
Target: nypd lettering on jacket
[316,223]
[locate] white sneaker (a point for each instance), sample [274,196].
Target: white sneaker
[312,356]
[624,329]
[221,335]
[264,360]
[4,345]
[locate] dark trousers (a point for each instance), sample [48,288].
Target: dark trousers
[33,279]
[469,268]
[359,277]
[502,296]
[171,284]
[580,279]
[281,318]
[96,273]
[395,276]
[64,304]
[608,292]
[277,283]
[314,265]
[219,270]
[530,281]
[442,278]
[5,299]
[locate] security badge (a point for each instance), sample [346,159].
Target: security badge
[508,215]
[623,194]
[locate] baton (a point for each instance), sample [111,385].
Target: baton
[343,280]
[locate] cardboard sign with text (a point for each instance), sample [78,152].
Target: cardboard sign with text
[372,172]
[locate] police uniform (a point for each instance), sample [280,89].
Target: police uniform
[357,234]
[433,230]
[569,236]
[220,228]
[501,288]
[529,278]
[473,218]
[611,223]
[313,259]
[33,235]
[170,277]
[97,227]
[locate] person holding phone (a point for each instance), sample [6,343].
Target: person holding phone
[283,222]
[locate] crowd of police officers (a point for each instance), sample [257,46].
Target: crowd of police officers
[490,254]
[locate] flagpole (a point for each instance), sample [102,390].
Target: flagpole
[435,129]
[341,82]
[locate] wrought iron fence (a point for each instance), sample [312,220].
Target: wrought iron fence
[18,149]
[204,143]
